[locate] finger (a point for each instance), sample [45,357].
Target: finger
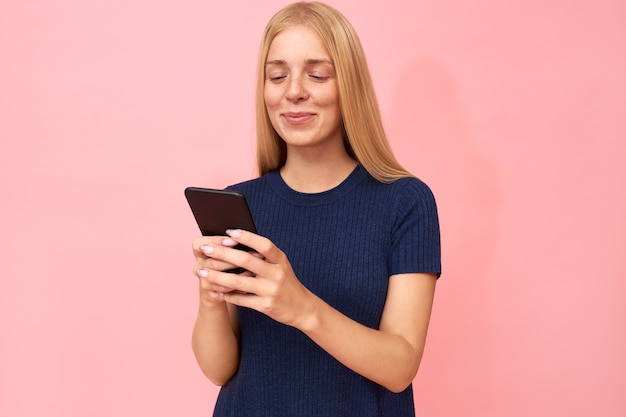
[241,299]
[207,285]
[260,244]
[202,250]
[227,241]
[213,263]
[239,258]
[204,241]
[240,283]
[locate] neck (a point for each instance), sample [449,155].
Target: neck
[316,175]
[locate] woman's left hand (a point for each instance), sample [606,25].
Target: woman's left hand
[273,288]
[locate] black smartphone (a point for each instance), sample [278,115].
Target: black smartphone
[216,211]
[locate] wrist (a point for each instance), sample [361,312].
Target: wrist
[210,305]
[310,317]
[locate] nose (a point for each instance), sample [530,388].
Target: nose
[296,91]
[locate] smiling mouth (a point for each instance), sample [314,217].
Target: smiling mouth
[297,118]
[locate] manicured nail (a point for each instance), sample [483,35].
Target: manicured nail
[203,273]
[228,242]
[234,233]
[207,249]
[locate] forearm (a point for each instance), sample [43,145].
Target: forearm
[383,357]
[215,344]
[389,356]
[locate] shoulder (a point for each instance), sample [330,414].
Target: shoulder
[412,187]
[249,185]
[412,202]
[403,192]
[256,191]
[414,194]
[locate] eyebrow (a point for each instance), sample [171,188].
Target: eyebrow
[308,62]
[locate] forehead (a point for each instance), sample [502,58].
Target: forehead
[297,42]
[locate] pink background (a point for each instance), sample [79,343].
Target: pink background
[513,112]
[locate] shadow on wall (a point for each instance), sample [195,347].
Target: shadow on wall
[430,136]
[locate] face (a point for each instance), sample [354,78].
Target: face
[301,94]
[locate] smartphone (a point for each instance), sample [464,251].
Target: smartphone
[216,211]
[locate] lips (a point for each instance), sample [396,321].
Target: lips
[297,118]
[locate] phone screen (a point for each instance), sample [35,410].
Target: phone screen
[216,211]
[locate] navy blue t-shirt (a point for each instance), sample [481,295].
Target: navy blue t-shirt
[343,245]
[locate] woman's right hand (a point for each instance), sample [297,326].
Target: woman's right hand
[215,335]
[210,294]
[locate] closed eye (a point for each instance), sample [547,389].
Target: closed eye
[277,78]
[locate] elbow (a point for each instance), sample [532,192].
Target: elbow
[217,375]
[399,385]
[220,382]
[403,379]
[219,379]
[399,389]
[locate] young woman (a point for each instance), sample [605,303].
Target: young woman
[332,315]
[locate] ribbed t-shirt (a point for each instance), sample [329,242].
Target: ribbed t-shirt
[343,245]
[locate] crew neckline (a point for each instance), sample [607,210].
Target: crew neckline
[284,191]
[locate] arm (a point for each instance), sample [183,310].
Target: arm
[389,356]
[215,334]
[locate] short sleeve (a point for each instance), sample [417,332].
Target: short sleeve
[415,240]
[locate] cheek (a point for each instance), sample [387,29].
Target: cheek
[271,98]
[271,106]
[329,98]
[331,103]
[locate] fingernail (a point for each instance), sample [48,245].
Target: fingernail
[234,233]
[203,273]
[207,249]
[228,242]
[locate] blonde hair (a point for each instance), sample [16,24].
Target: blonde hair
[363,131]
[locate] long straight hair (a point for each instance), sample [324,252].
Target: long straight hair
[362,127]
